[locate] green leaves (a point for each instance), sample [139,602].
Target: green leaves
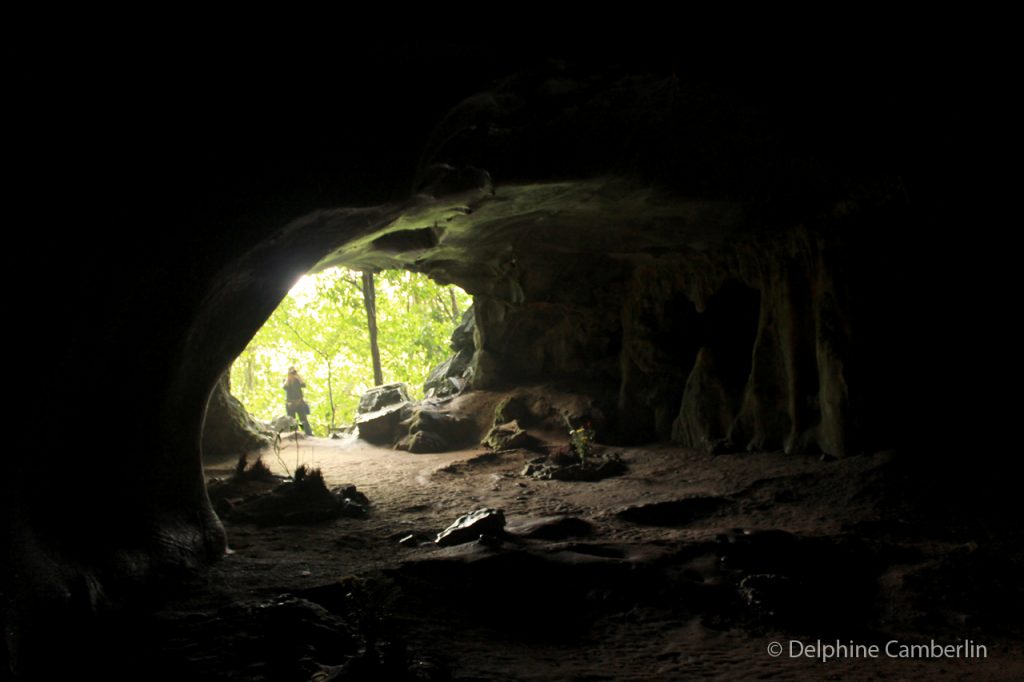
[320,328]
[581,440]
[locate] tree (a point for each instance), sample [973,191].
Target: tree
[370,302]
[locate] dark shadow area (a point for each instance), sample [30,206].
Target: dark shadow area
[677,333]
[730,326]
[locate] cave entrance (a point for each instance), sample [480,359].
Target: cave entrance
[322,329]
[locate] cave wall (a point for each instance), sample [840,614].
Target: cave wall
[759,363]
[743,346]
[228,428]
[555,326]
[717,294]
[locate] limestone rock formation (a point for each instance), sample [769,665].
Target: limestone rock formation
[451,376]
[507,436]
[229,429]
[380,411]
[434,430]
[379,397]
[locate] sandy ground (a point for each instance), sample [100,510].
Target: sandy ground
[673,635]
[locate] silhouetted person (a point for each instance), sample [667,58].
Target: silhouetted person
[294,404]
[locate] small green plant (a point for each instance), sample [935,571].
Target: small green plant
[581,440]
[257,472]
[276,444]
[240,467]
[296,425]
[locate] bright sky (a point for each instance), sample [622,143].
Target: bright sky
[304,290]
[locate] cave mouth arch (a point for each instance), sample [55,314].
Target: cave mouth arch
[573,285]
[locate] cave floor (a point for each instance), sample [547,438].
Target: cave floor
[728,554]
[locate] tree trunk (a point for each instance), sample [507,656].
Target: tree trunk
[330,395]
[370,299]
[455,305]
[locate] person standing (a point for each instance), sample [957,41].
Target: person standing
[294,402]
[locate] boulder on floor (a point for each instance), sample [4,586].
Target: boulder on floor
[380,427]
[508,436]
[434,430]
[380,397]
[423,442]
[380,411]
[490,522]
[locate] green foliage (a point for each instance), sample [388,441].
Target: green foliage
[581,440]
[320,329]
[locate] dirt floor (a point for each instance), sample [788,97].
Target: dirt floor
[722,560]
